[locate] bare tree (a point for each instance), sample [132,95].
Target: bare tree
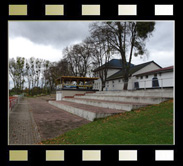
[78,57]
[101,53]
[16,72]
[127,38]
[28,73]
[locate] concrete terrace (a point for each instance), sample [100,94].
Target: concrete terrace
[41,118]
[101,104]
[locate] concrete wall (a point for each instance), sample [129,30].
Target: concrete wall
[63,93]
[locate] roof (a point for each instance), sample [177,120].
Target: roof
[133,69]
[113,63]
[162,70]
[74,78]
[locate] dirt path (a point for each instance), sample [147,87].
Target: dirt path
[52,121]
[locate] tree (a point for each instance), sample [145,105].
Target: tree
[38,65]
[78,58]
[63,68]
[101,52]
[17,72]
[127,38]
[28,73]
[12,70]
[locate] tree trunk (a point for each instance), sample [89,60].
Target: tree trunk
[125,80]
[125,87]
[29,88]
[102,87]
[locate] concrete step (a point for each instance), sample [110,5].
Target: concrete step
[155,93]
[86,111]
[127,106]
[120,98]
[143,90]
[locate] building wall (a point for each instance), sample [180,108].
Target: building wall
[98,83]
[147,68]
[111,72]
[118,84]
[164,79]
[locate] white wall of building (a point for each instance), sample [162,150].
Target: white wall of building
[150,67]
[112,71]
[165,79]
[98,83]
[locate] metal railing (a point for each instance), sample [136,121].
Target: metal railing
[153,83]
[14,100]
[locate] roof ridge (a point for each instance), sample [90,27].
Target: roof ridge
[132,70]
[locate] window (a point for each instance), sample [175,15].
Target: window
[112,81]
[119,80]
[141,77]
[137,77]
[146,76]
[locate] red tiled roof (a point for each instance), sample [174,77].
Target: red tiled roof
[169,68]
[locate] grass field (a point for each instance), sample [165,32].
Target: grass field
[148,125]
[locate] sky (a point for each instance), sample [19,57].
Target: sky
[47,39]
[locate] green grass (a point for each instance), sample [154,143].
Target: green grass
[148,125]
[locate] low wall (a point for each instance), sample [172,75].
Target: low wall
[64,93]
[169,92]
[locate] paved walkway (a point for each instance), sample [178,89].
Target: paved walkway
[53,121]
[35,120]
[22,127]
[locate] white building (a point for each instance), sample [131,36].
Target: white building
[162,78]
[142,76]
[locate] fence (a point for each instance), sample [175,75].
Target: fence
[153,83]
[14,100]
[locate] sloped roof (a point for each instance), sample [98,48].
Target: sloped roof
[133,69]
[165,69]
[114,64]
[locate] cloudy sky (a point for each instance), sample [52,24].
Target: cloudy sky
[47,39]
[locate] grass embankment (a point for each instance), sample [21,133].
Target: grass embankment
[148,125]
